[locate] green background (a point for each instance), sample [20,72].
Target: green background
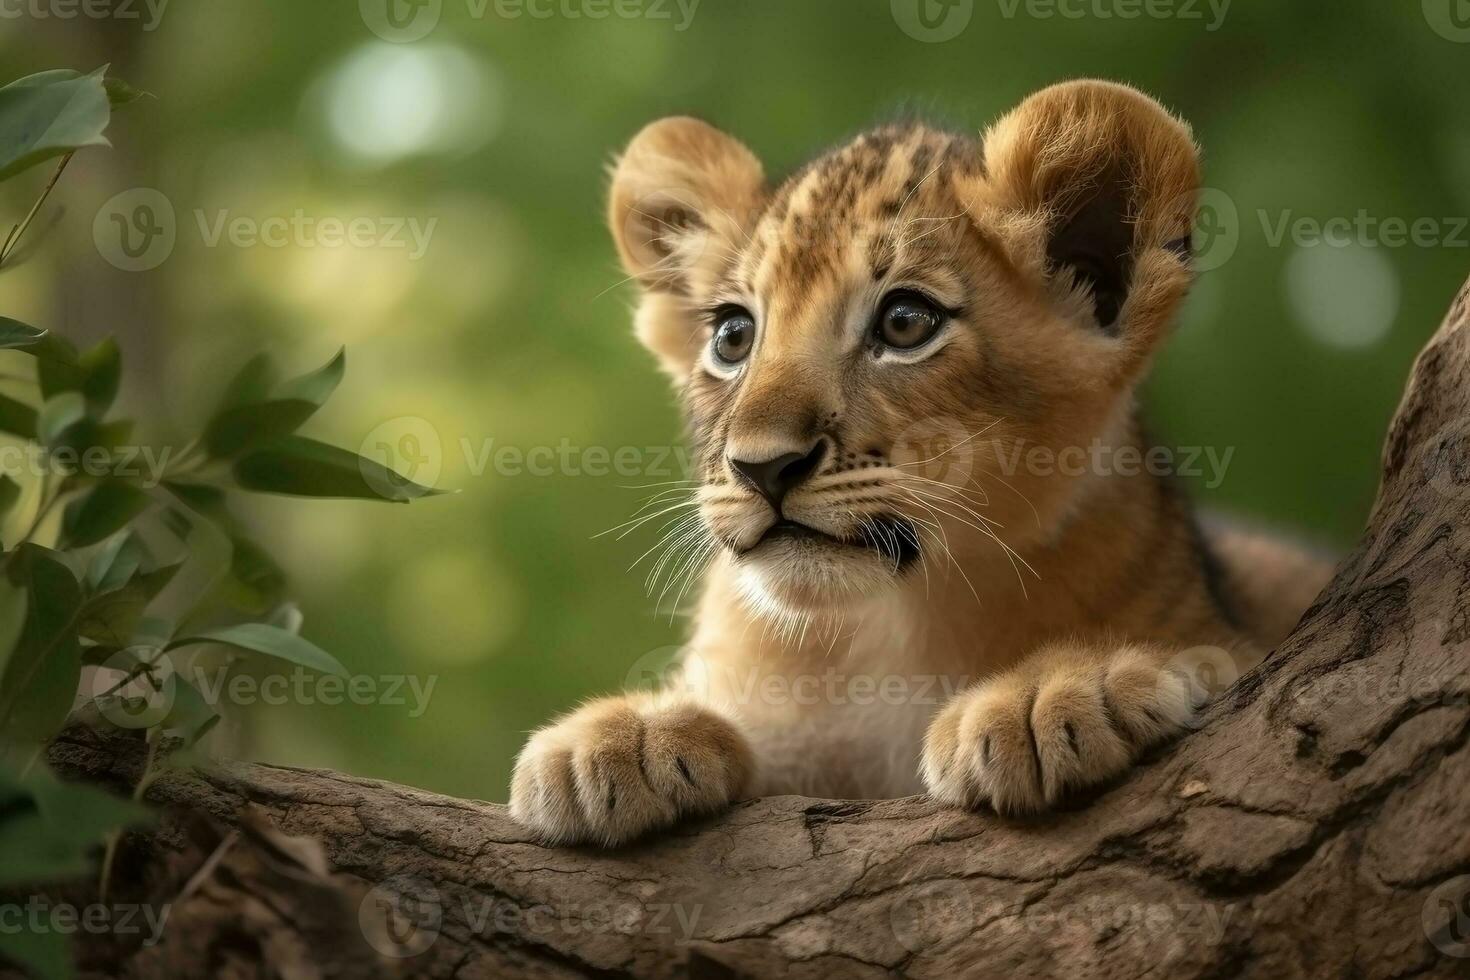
[512,330]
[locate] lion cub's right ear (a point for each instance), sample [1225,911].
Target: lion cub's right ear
[684,195]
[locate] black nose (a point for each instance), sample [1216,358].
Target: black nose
[775,478]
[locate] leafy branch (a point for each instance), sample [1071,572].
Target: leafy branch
[140,567]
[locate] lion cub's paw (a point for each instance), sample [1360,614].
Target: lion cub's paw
[620,766]
[1059,721]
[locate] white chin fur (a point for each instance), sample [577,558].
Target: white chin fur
[785,577]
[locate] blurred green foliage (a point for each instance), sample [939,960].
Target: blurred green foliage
[512,328]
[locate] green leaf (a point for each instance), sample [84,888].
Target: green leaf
[13,601]
[271,641]
[101,512]
[189,712]
[237,429]
[260,582]
[48,114]
[14,334]
[256,582]
[101,369]
[204,728]
[201,497]
[39,679]
[178,522]
[17,418]
[252,383]
[58,366]
[115,562]
[317,386]
[251,419]
[58,416]
[50,828]
[120,92]
[112,618]
[303,467]
[9,494]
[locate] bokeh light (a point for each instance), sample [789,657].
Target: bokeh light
[1343,296]
[385,102]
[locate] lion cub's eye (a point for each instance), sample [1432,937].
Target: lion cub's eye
[907,320]
[734,335]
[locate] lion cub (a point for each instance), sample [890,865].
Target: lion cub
[943,557]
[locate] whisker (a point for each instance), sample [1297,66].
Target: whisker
[680,528]
[638,522]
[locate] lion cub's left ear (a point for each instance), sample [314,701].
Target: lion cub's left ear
[682,200]
[1106,180]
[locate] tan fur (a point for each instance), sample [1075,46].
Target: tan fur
[1036,629]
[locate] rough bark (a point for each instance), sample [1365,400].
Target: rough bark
[1317,824]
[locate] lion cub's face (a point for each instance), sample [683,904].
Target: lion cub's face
[862,350]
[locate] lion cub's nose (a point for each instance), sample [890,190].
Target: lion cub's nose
[775,478]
